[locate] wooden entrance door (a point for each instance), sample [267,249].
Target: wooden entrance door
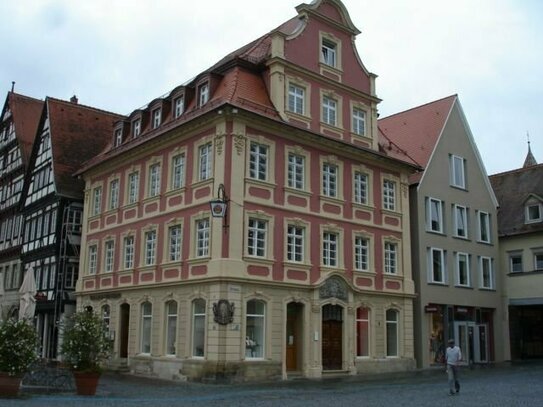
[294,336]
[123,336]
[332,337]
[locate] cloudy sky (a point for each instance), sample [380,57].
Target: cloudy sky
[120,54]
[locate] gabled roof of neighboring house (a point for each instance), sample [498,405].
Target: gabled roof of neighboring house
[78,133]
[417,130]
[26,113]
[513,188]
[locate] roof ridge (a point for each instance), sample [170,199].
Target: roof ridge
[455,95]
[521,169]
[20,95]
[98,110]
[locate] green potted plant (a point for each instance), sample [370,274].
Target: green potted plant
[18,350]
[85,347]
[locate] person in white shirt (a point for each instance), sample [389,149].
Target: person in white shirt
[453,356]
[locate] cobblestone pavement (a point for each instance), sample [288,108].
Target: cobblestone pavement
[502,385]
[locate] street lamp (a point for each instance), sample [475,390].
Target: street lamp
[219,206]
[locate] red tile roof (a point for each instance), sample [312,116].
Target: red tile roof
[26,113]
[78,133]
[417,130]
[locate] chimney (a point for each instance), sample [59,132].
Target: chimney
[74,99]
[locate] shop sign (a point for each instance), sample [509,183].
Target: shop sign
[431,308]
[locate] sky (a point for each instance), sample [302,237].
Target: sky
[118,55]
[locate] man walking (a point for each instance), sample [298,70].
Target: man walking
[453,356]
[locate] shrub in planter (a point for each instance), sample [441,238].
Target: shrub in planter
[18,350]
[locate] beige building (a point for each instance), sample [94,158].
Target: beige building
[453,233]
[520,225]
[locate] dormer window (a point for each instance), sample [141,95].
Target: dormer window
[534,213]
[179,106]
[118,137]
[157,116]
[136,128]
[329,52]
[203,94]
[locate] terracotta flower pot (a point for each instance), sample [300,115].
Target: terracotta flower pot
[86,383]
[9,385]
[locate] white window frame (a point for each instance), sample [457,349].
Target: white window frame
[463,258]
[198,335]
[146,328]
[150,250]
[156,117]
[93,259]
[118,137]
[174,242]
[170,334]
[391,258]
[129,250]
[154,179]
[257,237]
[361,185]
[133,186]
[255,342]
[203,237]
[114,194]
[203,94]
[389,195]
[330,180]
[515,255]
[205,160]
[530,218]
[392,324]
[538,254]
[296,99]
[179,106]
[258,161]
[178,171]
[97,201]
[295,243]
[437,272]
[460,211]
[329,110]
[361,253]
[329,52]
[457,171]
[330,249]
[483,227]
[434,215]
[358,121]
[136,128]
[296,171]
[489,261]
[109,255]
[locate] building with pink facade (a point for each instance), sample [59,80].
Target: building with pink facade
[248,224]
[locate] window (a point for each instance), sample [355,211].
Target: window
[330,249]
[129,252]
[110,251]
[255,329]
[202,238]
[114,194]
[205,160]
[133,187]
[359,122]
[436,263]
[328,52]
[198,327]
[392,333]
[203,94]
[515,263]
[146,326]
[174,246]
[361,253]
[329,107]
[154,180]
[484,226]
[93,253]
[486,272]
[295,243]
[118,137]
[391,266]
[97,200]
[389,195]
[462,270]
[457,171]
[434,215]
[460,221]
[256,238]
[296,171]
[296,99]
[171,327]
[136,128]
[106,317]
[179,106]
[329,180]
[178,171]
[538,261]
[360,188]
[362,332]
[258,161]
[150,248]
[533,213]
[156,117]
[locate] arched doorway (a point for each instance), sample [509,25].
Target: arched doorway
[123,330]
[332,337]
[294,339]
